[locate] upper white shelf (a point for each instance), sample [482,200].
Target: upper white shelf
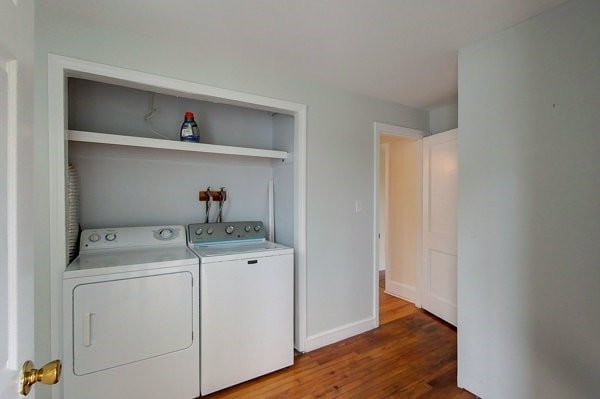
[116,139]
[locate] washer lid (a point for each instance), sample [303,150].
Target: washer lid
[239,250]
[125,260]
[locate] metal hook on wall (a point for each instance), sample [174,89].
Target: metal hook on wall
[209,197]
[221,202]
[208,204]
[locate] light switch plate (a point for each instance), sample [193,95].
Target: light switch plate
[358,206]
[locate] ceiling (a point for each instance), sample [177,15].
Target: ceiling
[403,51]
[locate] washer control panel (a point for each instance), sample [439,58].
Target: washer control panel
[127,237]
[199,233]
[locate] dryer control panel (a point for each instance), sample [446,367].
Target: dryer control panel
[201,233]
[127,237]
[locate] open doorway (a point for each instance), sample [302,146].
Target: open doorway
[398,210]
[415,217]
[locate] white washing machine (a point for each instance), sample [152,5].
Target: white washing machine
[130,316]
[246,303]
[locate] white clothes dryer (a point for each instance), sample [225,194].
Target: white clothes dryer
[130,316]
[246,303]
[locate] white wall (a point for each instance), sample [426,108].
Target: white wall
[444,118]
[529,208]
[403,216]
[339,157]
[382,211]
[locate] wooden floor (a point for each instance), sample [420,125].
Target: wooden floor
[411,355]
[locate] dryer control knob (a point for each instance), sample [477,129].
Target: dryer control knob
[257,227]
[166,234]
[248,228]
[198,231]
[229,229]
[94,237]
[210,230]
[110,237]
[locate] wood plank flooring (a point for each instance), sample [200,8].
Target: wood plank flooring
[411,355]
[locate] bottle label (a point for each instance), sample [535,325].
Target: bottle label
[187,131]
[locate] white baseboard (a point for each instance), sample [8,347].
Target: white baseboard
[404,291]
[339,333]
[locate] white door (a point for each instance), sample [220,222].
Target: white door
[438,286]
[16,160]
[16,276]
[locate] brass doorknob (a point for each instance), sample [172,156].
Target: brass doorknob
[49,374]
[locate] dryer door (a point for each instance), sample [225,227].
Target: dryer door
[123,321]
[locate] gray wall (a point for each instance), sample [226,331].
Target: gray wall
[124,186]
[529,208]
[444,118]
[105,108]
[137,187]
[283,180]
[339,156]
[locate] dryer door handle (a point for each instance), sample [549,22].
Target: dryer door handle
[87,329]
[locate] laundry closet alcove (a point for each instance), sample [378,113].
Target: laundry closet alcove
[120,129]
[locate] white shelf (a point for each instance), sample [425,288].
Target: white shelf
[102,138]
